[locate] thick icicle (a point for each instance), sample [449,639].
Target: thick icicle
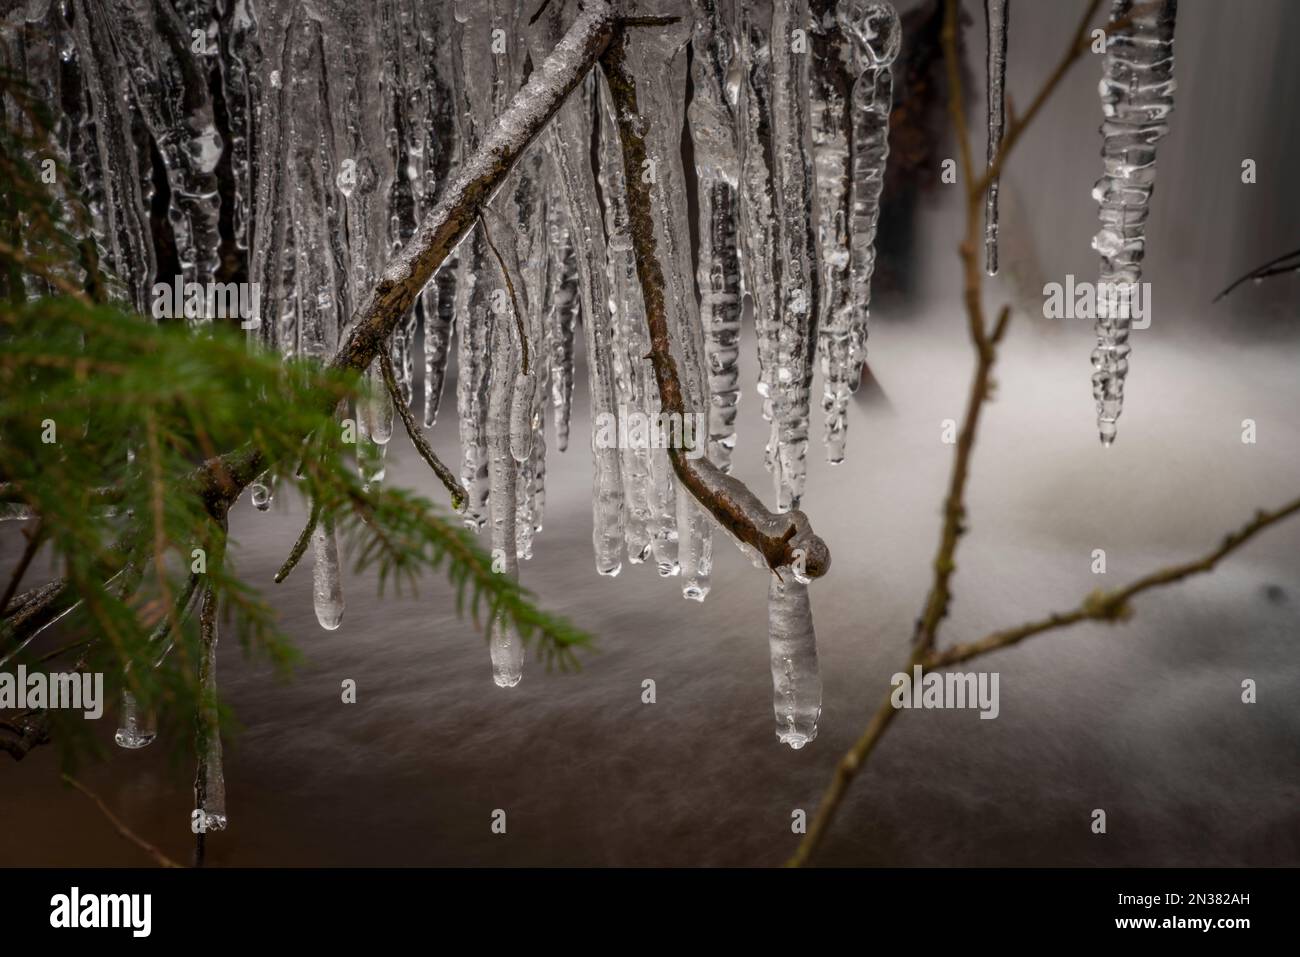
[472,377]
[564,307]
[438,319]
[505,646]
[717,166]
[874,35]
[327,584]
[997,18]
[796,678]
[799,279]
[1137,96]
[375,408]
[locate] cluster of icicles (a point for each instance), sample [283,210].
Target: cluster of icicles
[335,124]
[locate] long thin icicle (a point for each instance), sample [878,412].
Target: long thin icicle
[505,647]
[997,19]
[1137,96]
[799,279]
[717,166]
[874,35]
[832,122]
[759,260]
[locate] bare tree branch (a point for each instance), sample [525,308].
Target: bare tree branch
[449,481]
[159,858]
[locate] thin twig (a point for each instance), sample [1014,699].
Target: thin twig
[1110,607]
[781,539]
[299,546]
[159,858]
[34,537]
[452,484]
[1274,267]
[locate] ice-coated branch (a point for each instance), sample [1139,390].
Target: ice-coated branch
[417,437]
[782,540]
[221,480]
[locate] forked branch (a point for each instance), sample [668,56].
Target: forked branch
[1100,606]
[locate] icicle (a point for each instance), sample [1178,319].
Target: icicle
[376,407]
[138,728]
[437,337]
[210,780]
[486,75]
[875,35]
[1137,96]
[796,678]
[997,18]
[759,261]
[112,158]
[561,318]
[505,646]
[832,120]
[168,89]
[327,584]
[798,260]
[521,417]
[717,164]
[471,378]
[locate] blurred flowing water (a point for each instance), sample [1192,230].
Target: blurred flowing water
[1143,719]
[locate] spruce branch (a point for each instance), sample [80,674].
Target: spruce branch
[300,545]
